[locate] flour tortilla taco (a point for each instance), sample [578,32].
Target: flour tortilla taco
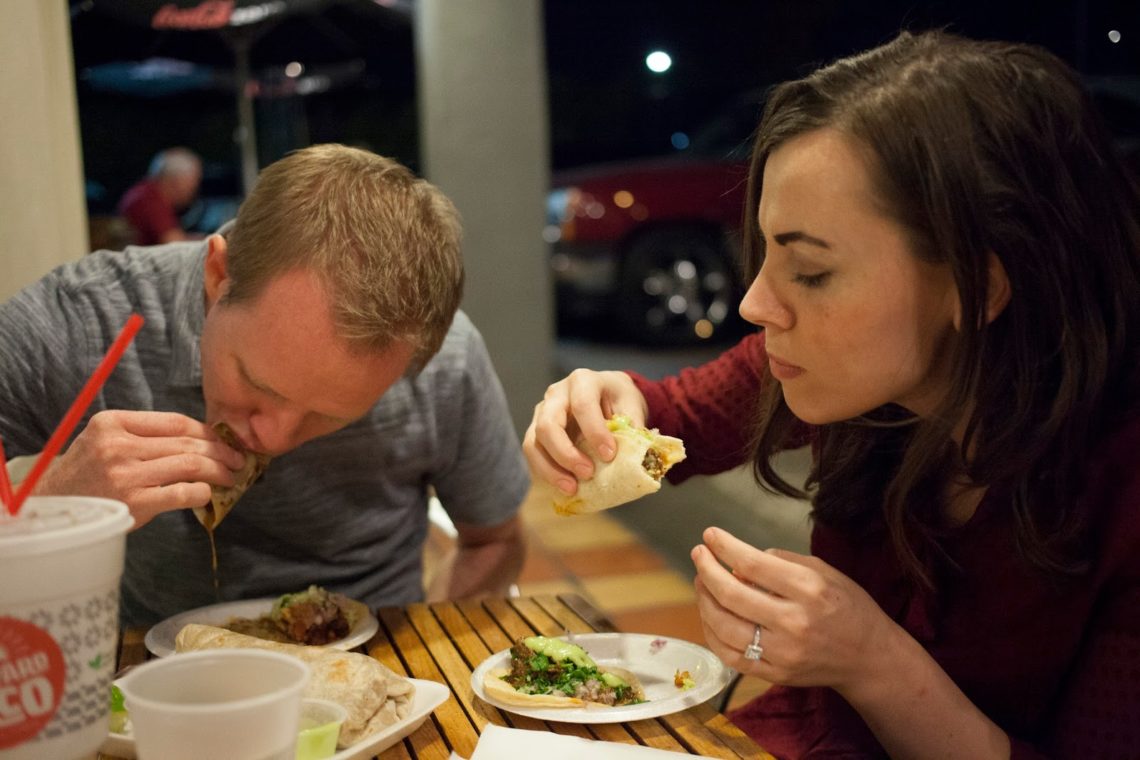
[642,459]
[373,695]
[222,499]
[548,672]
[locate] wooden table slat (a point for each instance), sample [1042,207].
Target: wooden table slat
[570,729]
[425,745]
[400,751]
[425,741]
[461,631]
[654,734]
[708,732]
[474,650]
[566,616]
[455,670]
[459,731]
[380,647]
[508,618]
[587,612]
[613,732]
[534,615]
[481,621]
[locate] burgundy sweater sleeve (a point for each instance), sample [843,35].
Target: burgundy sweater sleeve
[711,408]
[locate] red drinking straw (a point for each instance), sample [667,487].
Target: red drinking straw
[5,484]
[77,410]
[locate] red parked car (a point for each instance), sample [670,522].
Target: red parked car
[650,247]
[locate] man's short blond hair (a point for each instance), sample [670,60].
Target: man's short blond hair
[386,244]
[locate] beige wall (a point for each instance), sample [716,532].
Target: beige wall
[43,219]
[481,69]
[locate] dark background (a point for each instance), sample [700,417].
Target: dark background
[604,103]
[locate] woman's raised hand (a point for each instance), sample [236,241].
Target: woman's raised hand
[573,409]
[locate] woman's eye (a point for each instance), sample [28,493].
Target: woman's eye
[812,280]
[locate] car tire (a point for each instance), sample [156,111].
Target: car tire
[677,288]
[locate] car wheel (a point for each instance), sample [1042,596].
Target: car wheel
[677,288]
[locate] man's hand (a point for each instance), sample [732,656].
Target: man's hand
[152,461]
[487,562]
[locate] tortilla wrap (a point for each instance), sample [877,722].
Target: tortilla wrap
[222,499]
[373,695]
[624,478]
[502,691]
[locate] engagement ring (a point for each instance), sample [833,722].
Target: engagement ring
[754,651]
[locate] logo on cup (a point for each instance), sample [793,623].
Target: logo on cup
[32,672]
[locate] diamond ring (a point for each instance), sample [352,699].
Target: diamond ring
[754,651]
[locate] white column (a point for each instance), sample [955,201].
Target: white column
[43,217]
[481,71]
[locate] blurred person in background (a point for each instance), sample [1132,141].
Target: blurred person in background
[945,262]
[322,327]
[151,206]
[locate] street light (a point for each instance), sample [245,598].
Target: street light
[658,61]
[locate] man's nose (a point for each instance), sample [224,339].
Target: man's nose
[276,430]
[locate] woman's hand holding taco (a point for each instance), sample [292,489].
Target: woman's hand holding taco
[577,408]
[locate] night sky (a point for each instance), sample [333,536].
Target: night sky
[604,103]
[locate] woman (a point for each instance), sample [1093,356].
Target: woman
[946,267]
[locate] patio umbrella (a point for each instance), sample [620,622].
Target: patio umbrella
[234,35]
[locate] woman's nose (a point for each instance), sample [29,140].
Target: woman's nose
[762,306]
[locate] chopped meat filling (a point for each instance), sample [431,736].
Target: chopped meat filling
[653,464]
[316,619]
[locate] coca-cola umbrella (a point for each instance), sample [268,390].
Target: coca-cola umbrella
[229,37]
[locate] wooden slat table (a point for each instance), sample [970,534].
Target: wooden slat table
[444,642]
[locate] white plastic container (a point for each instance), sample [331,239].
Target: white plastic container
[239,704]
[61,560]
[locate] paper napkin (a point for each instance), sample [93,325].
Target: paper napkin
[498,743]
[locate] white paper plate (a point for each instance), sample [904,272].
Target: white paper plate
[429,695]
[160,638]
[653,659]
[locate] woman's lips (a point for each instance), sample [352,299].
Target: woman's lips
[781,370]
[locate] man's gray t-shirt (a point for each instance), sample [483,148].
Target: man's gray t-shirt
[347,511]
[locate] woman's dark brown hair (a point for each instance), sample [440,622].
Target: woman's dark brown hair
[977,147]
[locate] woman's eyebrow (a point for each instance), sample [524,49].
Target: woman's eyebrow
[798,236]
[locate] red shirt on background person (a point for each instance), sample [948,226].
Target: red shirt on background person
[151,205]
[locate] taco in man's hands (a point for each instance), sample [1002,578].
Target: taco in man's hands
[642,459]
[548,672]
[222,499]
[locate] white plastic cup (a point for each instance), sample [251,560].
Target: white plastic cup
[61,559]
[240,704]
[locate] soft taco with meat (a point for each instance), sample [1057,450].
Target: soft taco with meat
[222,499]
[642,459]
[548,672]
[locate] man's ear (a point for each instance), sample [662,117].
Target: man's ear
[998,291]
[216,275]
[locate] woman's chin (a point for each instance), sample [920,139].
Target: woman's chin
[817,413]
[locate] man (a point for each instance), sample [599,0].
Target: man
[151,206]
[322,327]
